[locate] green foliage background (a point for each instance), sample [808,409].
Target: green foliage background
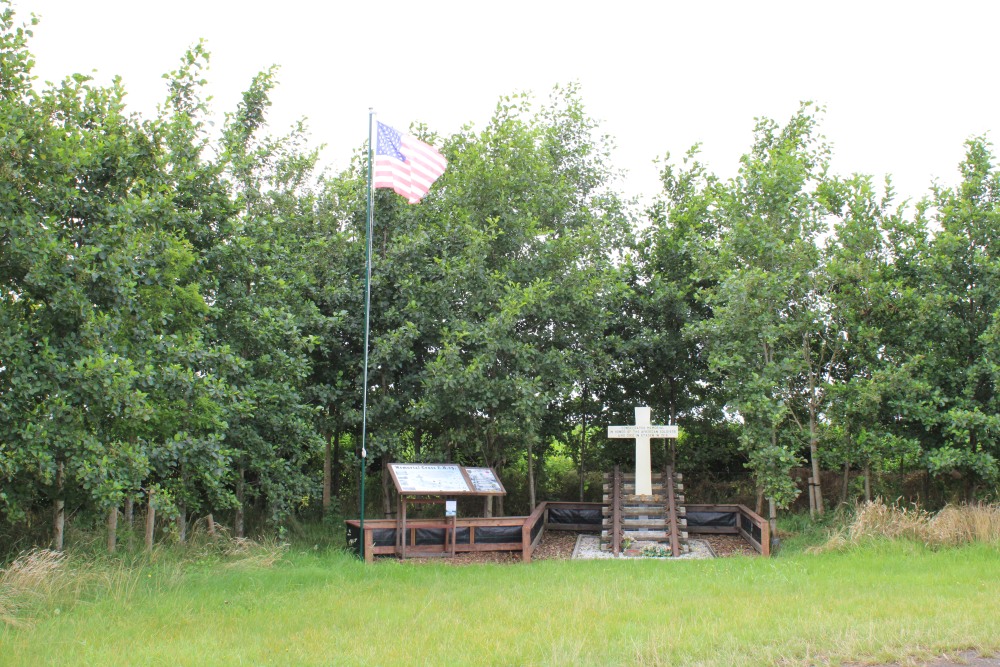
[181,310]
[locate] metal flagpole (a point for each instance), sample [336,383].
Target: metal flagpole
[368,305]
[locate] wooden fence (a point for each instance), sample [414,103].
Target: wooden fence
[730,520]
[439,537]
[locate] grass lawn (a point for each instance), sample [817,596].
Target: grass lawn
[878,602]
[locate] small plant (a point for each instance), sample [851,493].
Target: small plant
[655,551]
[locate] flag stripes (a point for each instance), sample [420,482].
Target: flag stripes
[406,165]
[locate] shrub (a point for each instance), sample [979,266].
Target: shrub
[955,525]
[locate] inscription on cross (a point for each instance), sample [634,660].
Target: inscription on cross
[642,431]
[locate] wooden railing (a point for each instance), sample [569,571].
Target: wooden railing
[745,522]
[456,535]
[460,535]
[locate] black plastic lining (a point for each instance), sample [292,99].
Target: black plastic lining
[428,536]
[561,515]
[711,519]
[537,528]
[750,528]
[498,534]
[425,536]
[353,543]
[383,537]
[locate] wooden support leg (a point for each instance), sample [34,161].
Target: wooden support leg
[369,545]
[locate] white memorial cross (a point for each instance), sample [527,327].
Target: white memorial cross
[642,432]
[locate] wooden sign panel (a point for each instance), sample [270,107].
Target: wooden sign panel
[429,479]
[444,479]
[485,481]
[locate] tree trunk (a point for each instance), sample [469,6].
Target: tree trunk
[150,520]
[181,524]
[418,441]
[58,511]
[772,517]
[759,507]
[846,483]
[238,514]
[818,489]
[812,498]
[335,465]
[327,475]
[583,451]
[112,529]
[868,483]
[386,489]
[210,520]
[129,509]
[813,435]
[488,506]
[531,478]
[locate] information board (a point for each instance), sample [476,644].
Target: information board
[429,479]
[485,481]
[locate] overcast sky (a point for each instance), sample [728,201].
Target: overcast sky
[904,83]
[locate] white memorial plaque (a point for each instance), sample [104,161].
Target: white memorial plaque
[451,508]
[642,431]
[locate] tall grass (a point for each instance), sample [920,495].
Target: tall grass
[34,575]
[232,602]
[894,600]
[955,525]
[43,581]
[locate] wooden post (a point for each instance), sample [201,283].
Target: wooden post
[399,526]
[526,539]
[616,512]
[454,534]
[672,512]
[402,528]
[765,538]
[369,542]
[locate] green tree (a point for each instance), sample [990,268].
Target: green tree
[770,336]
[956,273]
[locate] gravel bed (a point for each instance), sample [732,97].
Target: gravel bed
[589,546]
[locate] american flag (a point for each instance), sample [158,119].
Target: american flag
[404,164]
